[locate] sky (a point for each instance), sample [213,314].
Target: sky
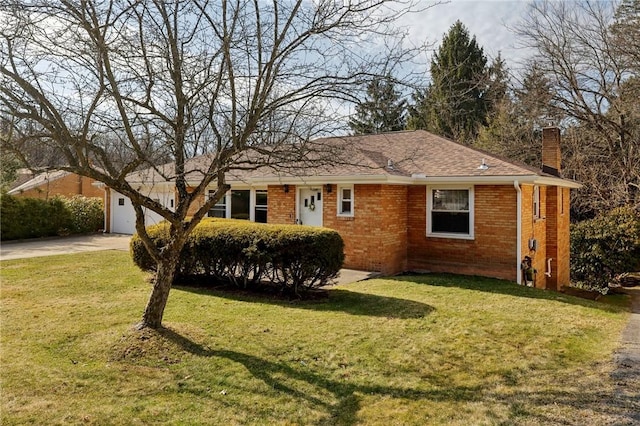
[488,20]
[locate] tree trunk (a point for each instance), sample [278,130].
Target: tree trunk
[152,317]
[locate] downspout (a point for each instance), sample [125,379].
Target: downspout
[516,185]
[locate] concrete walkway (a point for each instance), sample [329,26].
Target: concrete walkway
[627,360]
[96,242]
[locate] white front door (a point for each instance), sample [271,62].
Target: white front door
[310,206]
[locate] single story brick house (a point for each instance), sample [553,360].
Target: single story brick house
[49,184]
[405,201]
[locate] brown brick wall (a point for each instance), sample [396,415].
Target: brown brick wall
[376,237]
[564,237]
[533,228]
[551,147]
[388,230]
[282,205]
[66,186]
[491,253]
[557,247]
[551,232]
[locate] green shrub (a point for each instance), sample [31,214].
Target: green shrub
[87,214]
[22,218]
[248,254]
[604,247]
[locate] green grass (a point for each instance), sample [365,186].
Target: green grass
[433,349]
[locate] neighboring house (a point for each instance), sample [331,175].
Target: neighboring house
[406,201]
[49,184]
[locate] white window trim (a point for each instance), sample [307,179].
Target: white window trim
[432,234]
[252,201]
[227,202]
[536,202]
[339,201]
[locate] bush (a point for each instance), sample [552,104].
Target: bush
[87,214]
[22,218]
[247,254]
[605,247]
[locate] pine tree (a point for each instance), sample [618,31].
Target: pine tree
[455,103]
[383,110]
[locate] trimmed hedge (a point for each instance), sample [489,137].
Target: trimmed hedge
[248,254]
[87,214]
[22,218]
[604,247]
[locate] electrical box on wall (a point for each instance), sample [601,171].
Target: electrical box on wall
[533,244]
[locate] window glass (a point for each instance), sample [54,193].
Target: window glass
[536,202]
[260,212]
[450,212]
[240,204]
[345,203]
[220,208]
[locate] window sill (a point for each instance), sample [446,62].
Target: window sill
[451,236]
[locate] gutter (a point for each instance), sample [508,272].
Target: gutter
[415,179]
[516,185]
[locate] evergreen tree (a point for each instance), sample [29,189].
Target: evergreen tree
[497,84]
[383,110]
[455,104]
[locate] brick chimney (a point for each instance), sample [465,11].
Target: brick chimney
[551,158]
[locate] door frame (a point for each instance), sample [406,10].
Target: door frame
[319,188]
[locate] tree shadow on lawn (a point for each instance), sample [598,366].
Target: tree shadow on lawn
[345,412]
[336,300]
[497,286]
[540,406]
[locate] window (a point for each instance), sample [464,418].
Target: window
[450,212]
[220,208]
[260,209]
[345,201]
[240,204]
[536,202]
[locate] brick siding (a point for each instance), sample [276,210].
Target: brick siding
[491,253]
[376,236]
[66,186]
[388,230]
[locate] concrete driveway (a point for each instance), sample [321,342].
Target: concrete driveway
[63,245]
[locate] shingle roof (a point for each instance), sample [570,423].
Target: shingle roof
[419,152]
[399,155]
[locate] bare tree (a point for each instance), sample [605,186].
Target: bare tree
[589,78]
[247,82]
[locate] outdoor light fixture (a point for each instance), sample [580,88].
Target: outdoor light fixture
[328,188]
[286,188]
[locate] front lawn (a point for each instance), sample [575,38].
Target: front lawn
[432,349]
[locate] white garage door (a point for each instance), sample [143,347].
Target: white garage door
[123,216]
